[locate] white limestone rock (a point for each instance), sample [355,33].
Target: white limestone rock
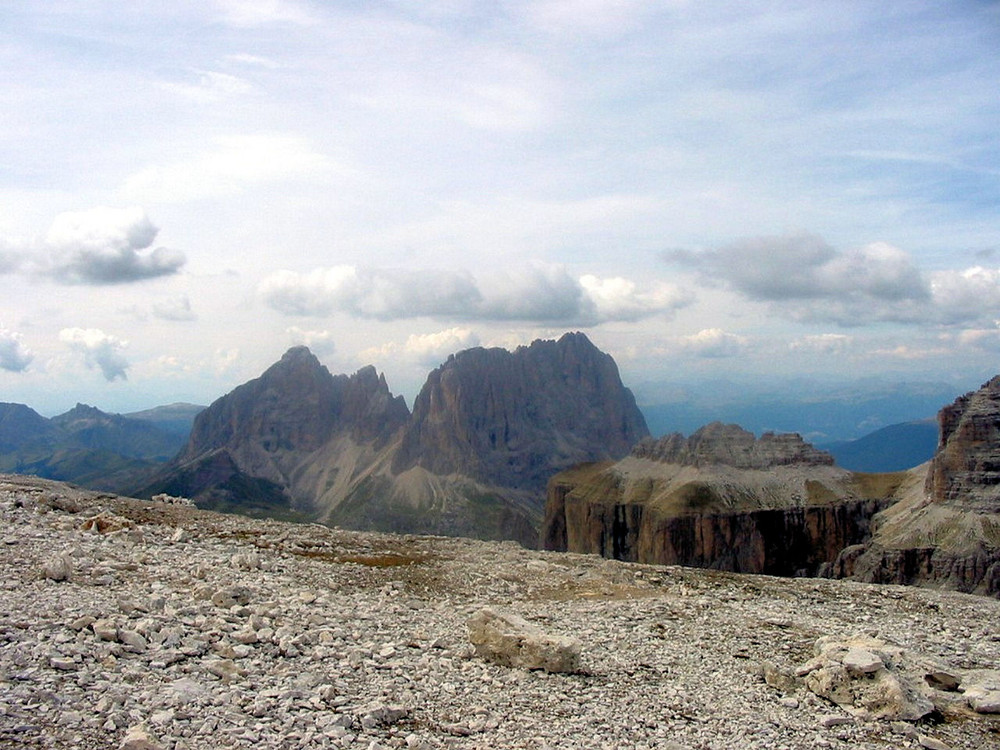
[511,641]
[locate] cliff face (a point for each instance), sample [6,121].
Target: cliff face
[487,430]
[945,531]
[719,499]
[515,418]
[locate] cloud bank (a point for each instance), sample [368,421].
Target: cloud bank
[543,293]
[99,349]
[804,277]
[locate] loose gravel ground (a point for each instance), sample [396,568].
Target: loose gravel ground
[131,624]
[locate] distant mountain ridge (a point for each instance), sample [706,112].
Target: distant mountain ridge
[85,445]
[894,448]
[487,430]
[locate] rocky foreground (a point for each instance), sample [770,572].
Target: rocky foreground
[144,625]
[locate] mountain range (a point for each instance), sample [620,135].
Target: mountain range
[90,447]
[487,430]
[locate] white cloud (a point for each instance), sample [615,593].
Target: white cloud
[969,295]
[537,292]
[825,343]
[429,349]
[99,349]
[319,342]
[713,343]
[210,86]
[104,246]
[806,278]
[231,166]
[174,309]
[14,357]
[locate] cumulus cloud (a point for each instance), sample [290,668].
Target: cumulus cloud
[14,357]
[320,342]
[427,349]
[99,349]
[712,343]
[538,292]
[962,296]
[104,246]
[813,281]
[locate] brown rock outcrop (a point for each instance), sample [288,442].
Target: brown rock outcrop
[730,444]
[945,531]
[719,499]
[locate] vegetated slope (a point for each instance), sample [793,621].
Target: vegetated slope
[894,448]
[487,430]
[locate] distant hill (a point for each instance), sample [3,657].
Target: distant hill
[90,447]
[173,418]
[894,448]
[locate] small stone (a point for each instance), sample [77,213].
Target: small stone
[132,641]
[942,681]
[835,721]
[789,702]
[987,702]
[931,743]
[138,738]
[59,568]
[63,663]
[105,629]
[859,661]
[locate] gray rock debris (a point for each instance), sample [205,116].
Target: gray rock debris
[339,639]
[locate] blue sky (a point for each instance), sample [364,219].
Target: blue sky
[754,189]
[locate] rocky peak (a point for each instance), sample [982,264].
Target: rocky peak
[82,415]
[296,404]
[513,418]
[731,445]
[965,471]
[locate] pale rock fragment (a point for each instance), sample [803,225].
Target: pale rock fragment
[511,641]
[137,737]
[59,568]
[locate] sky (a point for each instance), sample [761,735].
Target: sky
[756,190]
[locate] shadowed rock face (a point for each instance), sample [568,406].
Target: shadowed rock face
[297,405]
[515,418]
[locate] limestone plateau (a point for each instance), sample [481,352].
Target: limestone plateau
[486,432]
[725,499]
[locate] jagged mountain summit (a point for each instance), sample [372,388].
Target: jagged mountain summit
[487,430]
